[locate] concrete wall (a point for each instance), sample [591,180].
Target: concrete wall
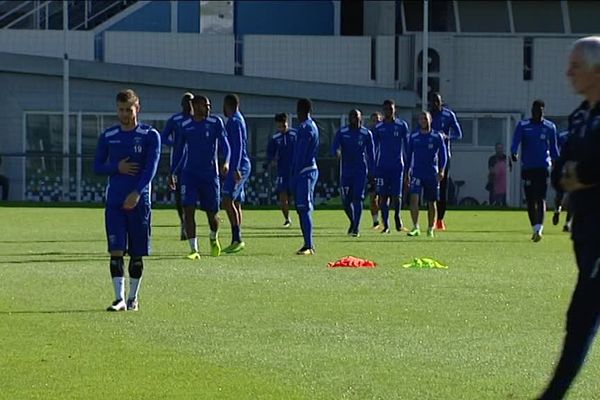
[187,51]
[47,43]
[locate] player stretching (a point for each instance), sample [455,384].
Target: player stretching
[427,158]
[128,153]
[281,148]
[391,138]
[168,137]
[233,187]
[305,172]
[201,136]
[353,145]
[537,137]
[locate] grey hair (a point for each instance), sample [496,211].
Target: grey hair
[590,49]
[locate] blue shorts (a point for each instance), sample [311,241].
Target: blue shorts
[233,190]
[353,186]
[128,230]
[283,185]
[304,185]
[389,182]
[430,186]
[204,190]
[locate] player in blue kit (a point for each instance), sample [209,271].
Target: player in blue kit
[168,137]
[305,172]
[202,137]
[353,145]
[427,157]
[391,139]
[537,138]
[444,120]
[577,172]
[376,118]
[239,171]
[128,153]
[281,149]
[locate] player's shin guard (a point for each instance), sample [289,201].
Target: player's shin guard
[136,268]
[117,274]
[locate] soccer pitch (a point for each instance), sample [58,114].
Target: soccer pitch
[267,324]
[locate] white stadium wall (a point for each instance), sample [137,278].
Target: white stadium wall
[331,59]
[186,51]
[47,43]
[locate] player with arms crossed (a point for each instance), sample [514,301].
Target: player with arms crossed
[391,138]
[128,153]
[537,138]
[281,149]
[233,187]
[305,172]
[427,157]
[353,145]
[202,136]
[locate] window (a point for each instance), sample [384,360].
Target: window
[467,126]
[584,16]
[491,131]
[483,16]
[530,16]
[441,16]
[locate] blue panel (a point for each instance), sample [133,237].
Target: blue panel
[290,17]
[154,17]
[188,16]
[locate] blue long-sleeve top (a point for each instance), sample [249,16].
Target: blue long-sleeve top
[237,136]
[202,141]
[140,145]
[168,136]
[306,148]
[391,142]
[357,149]
[281,147]
[445,121]
[427,154]
[538,143]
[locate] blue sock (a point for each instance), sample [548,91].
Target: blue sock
[357,205]
[397,205]
[236,234]
[306,224]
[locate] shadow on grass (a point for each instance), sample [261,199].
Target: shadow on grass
[53,311]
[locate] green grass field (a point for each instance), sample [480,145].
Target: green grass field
[266,324]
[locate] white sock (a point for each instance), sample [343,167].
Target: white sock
[416,226]
[134,287]
[193,244]
[119,286]
[213,235]
[540,228]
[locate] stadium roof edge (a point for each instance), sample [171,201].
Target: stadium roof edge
[132,74]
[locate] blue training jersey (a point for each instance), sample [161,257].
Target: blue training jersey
[168,136]
[561,139]
[357,149]
[391,141]
[306,148]
[140,145]
[201,141]
[538,143]
[281,147]
[445,121]
[427,154]
[237,136]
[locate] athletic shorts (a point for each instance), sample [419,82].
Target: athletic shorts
[389,182]
[535,183]
[428,186]
[233,190]
[304,185]
[283,185]
[128,230]
[352,186]
[204,191]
